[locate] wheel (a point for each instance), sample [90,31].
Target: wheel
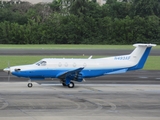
[30,85]
[64,84]
[71,85]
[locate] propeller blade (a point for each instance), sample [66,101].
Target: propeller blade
[9,75]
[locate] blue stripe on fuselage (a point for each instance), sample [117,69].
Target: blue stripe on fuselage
[53,73]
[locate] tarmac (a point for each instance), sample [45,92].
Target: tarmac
[78,52]
[85,101]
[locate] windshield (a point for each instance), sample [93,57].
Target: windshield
[41,63]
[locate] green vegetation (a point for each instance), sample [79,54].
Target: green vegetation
[80,22]
[151,64]
[67,46]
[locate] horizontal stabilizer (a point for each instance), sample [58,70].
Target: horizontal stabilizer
[145,45]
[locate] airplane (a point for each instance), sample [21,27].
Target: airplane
[69,70]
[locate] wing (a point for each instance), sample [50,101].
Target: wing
[71,75]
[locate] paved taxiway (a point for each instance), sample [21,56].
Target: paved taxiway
[87,102]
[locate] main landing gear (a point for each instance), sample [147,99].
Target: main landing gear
[71,85]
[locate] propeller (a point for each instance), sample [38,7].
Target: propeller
[8,71]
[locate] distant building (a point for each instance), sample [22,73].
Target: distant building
[31,1]
[11,1]
[101,2]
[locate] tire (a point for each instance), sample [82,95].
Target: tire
[71,85]
[30,85]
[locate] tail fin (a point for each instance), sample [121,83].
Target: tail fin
[140,55]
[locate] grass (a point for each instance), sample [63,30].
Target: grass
[151,64]
[64,46]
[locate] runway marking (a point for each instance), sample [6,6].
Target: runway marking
[3,103]
[101,104]
[113,106]
[92,89]
[143,77]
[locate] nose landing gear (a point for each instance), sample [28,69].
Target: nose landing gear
[30,85]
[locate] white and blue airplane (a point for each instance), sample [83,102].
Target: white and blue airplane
[69,70]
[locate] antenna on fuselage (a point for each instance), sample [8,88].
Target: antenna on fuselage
[90,57]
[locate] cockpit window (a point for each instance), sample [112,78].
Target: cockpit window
[41,63]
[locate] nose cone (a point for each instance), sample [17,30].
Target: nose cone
[6,69]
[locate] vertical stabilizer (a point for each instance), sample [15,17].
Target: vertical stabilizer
[140,55]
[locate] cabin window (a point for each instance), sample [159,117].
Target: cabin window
[41,63]
[66,64]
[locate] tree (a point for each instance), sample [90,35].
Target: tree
[118,9]
[78,7]
[145,8]
[56,5]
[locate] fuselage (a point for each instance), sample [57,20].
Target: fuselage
[50,68]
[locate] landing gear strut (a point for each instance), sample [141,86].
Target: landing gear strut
[64,84]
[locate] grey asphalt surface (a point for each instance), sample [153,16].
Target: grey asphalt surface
[69,52]
[84,102]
